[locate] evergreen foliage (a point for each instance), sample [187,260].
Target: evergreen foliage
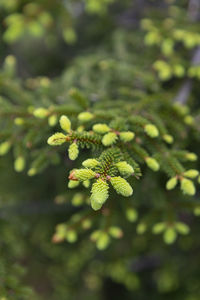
[113,142]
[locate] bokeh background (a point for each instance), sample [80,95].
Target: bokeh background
[108,49]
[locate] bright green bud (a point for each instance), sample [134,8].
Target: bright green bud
[141,228]
[169,236]
[189,120]
[77,199]
[165,74]
[90,163]
[95,235]
[71,236]
[124,168]
[171,183]
[19,121]
[197,211]
[103,241]
[32,172]
[159,65]
[99,191]
[109,139]
[60,231]
[152,164]
[121,186]
[19,164]
[152,37]
[158,228]
[168,138]
[56,139]
[167,47]
[101,128]
[73,184]
[131,214]
[73,151]
[69,35]
[52,120]
[4,147]
[10,61]
[191,156]
[151,130]
[65,123]
[86,183]
[45,81]
[187,187]
[126,136]
[115,232]
[85,116]
[179,70]
[95,205]
[86,224]
[182,228]
[40,113]
[84,174]
[179,34]
[191,173]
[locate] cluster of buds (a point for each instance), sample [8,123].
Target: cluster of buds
[187,185]
[59,138]
[110,136]
[170,230]
[102,238]
[99,191]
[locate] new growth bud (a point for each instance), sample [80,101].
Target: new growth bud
[109,139]
[121,186]
[84,174]
[124,168]
[191,156]
[4,147]
[126,136]
[85,116]
[73,151]
[99,193]
[169,235]
[171,183]
[19,164]
[152,164]
[73,184]
[187,187]
[131,214]
[52,120]
[191,173]
[151,130]
[65,123]
[40,113]
[101,128]
[90,163]
[56,139]
[168,138]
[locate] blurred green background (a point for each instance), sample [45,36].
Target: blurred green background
[108,49]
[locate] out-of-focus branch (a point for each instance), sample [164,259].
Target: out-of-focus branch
[35,208]
[194,10]
[185,90]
